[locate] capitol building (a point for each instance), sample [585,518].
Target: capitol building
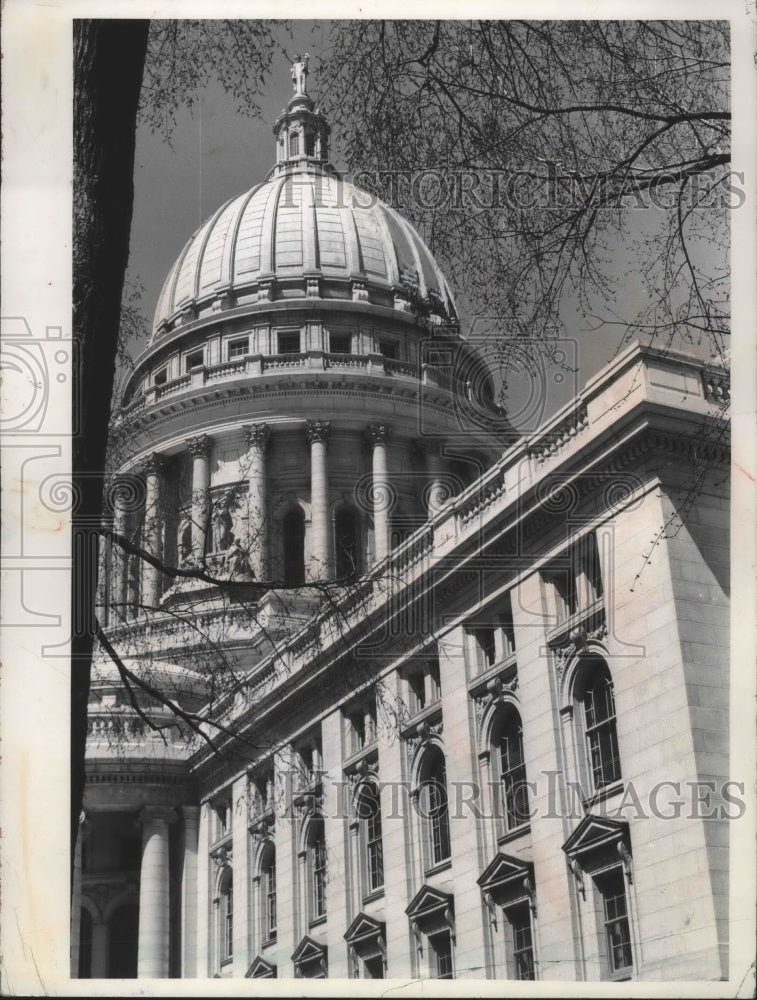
[447,700]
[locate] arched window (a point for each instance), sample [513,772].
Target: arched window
[226,915]
[293,529]
[347,543]
[316,869]
[368,808]
[599,726]
[294,144]
[507,744]
[268,886]
[434,808]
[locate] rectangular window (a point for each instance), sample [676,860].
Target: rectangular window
[416,683]
[373,968]
[440,954]
[223,819]
[434,682]
[238,348]
[388,348]
[506,630]
[521,948]
[194,360]
[438,818]
[270,901]
[482,646]
[289,343]
[513,777]
[340,343]
[309,759]
[578,585]
[617,932]
[319,879]
[601,733]
[262,792]
[228,924]
[361,725]
[374,847]
[161,377]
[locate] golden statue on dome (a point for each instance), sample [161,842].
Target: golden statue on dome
[300,74]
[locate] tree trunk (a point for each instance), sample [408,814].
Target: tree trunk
[109,60]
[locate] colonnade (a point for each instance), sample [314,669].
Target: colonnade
[256,544]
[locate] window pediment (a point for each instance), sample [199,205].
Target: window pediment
[505,872]
[309,950]
[260,969]
[594,833]
[430,902]
[364,928]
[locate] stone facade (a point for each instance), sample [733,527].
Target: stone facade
[478,722]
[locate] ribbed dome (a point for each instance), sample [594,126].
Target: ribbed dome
[304,232]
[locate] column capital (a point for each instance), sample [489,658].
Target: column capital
[378,433]
[199,446]
[153,464]
[318,430]
[153,814]
[256,434]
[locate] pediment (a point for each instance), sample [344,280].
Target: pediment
[429,900]
[308,950]
[260,969]
[504,870]
[594,833]
[364,927]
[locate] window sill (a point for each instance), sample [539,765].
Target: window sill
[511,835]
[588,618]
[431,713]
[480,677]
[220,843]
[270,941]
[604,793]
[374,895]
[369,751]
[318,921]
[441,866]
[621,976]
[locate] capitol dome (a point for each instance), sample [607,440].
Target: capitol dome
[302,233]
[305,382]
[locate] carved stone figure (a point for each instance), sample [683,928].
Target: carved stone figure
[235,561]
[222,525]
[300,73]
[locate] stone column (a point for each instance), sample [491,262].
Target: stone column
[76,899]
[437,491]
[152,578]
[119,558]
[199,448]
[152,960]
[191,816]
[320,547]
[379,435]
[257,525]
